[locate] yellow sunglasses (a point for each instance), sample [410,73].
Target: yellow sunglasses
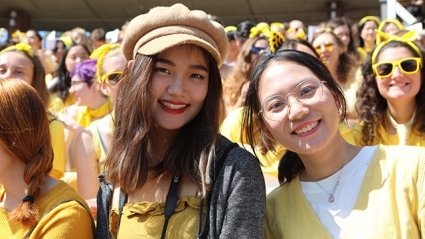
[408,66]
[328,47]
[112,78]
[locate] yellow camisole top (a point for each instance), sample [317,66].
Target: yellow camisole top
[146,219]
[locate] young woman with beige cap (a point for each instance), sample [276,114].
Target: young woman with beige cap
[175,175]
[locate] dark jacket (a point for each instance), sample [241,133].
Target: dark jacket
[237,200]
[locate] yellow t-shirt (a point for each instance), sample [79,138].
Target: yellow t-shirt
[55,104]
[354,136]
[64,215]
[57,136]
[146,219]
[231,129]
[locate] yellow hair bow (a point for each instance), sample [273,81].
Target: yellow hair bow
[24,47]
[99,55]
[276,40]
[369,18]
[261,28]
[407,38]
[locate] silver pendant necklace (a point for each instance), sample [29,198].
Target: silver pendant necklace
[331,197]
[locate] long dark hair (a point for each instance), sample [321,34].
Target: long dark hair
[372,107]
[64,83]
[127,162]
[290,164]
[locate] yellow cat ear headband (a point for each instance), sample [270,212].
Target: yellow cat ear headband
[24,47]
[276,40]
[407,38]
[99,55]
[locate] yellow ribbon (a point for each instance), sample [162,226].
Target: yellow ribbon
[23,47]
[369,18]
[381,26]
[276,40]
[86,115]
[261,28]
[99,54]
[407,38]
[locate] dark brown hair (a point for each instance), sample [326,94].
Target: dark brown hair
[127,163]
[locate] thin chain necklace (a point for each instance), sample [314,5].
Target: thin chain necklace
[331,197]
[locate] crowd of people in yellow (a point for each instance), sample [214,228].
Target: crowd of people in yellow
[186,127]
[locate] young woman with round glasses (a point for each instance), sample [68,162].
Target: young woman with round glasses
[329,188]
[392,96]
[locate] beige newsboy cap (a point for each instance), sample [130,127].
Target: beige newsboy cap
[165,27]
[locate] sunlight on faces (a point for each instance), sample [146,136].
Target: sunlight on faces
[368,33]
[75,55]
[179,86]
[82,91]
[326,46]
[398,85]
[303,128]
[343,32]
[16,65]
[113,67]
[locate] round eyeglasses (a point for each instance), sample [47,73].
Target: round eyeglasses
[308,92]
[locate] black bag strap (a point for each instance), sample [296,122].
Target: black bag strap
[203,226]
[170,202]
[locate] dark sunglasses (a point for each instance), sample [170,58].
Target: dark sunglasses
[408,66]
[257,50]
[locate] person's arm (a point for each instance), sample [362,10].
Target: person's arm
[86,164]
[245,205]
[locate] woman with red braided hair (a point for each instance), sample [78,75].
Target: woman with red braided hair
[33,204]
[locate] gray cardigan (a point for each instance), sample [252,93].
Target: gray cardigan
[238,197]
[237,200]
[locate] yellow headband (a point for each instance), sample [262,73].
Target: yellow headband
[276,40]
[99,54]
[23,47]
[396,22]
[369,18]
[230,29]
[407,38]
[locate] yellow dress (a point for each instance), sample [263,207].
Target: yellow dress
[231,129]
[100,143]
[146,219]
[57,136]
[64,213]
[354,136]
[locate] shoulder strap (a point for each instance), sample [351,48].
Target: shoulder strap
[170,202]
[104,204]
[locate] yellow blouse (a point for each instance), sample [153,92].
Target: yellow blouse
[103,126]
[65,215]
[146,219]
[57,136]
[55,104]
[354,136]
